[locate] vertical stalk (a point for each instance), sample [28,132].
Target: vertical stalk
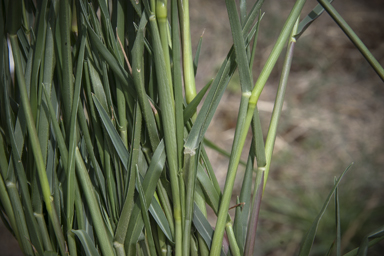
[190,160]
[168,119]
[189,73]
[278,106]
[161,15]
[179,100]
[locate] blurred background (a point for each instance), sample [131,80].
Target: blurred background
[333,115]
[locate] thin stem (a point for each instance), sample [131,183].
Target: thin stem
[353,37]
[278,106]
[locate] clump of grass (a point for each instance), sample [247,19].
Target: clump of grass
[100,151]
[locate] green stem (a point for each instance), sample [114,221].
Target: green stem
[179,101]
[161,15]
[278,106]
[190,169]
[238,143]
[169,123]
[232,239]
[189,73]
[244,123]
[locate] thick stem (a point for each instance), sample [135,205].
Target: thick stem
[189,73]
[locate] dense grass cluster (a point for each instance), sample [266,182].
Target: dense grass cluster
[100,151]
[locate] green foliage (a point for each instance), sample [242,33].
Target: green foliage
[100,151]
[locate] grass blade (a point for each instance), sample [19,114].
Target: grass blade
[138,78]
[203,227]
[190,109]
[310,236]
[36,146]
[245,82]
[114,135]
[218,87]
[167,108]
[67,84]
[311,17]
[122,226]
[242,213]
[87,243]
[370,243]
[149,184]
[197,54]
[144,213]
[239,45]
[111,60]
[278,106]
[159,216]
[363,249]
[23,181]
[73,140]
[211,195]
[89,194]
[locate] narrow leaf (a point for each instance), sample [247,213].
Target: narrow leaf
[203,227]
[87,242]
[310,236]
[113,134]
[159,216]
[190,109]
[144,213]
[149,184]
[311,17]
